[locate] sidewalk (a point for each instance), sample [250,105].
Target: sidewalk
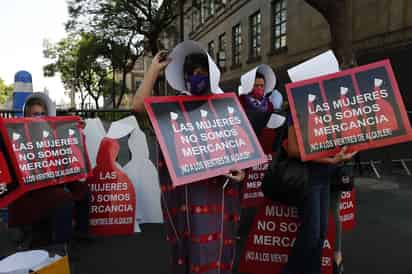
[380,244]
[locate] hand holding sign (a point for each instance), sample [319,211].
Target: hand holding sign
[236,175]
[343,155]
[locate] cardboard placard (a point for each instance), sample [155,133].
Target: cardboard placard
[348,210]
[203,136]
[43,152]
[113,197]
[252,195]
[124,186]
[360,108]
[271,238]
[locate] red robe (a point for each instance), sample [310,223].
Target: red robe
[314,122]
[386,110]
[351,132]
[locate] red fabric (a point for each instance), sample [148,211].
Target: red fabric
[258,93]
[387,111]
[4,170]
[180,145]
[314,123]
[354,131]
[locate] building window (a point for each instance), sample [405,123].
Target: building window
[207,8]
[195,19]
[279,24]
[211,49]
[255,35]
[221,58]
[237,44]
[203,11]
[212,7]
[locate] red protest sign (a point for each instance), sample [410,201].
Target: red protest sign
[43,152]
[113,202]
[271,238]
[6,184]
[203,136]
[347,209]
[252,195]
[360,108]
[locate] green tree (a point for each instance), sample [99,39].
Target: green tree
[123,42]
[5,91]
[127,21]
[82,65]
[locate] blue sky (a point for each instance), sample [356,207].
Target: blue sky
[24,24]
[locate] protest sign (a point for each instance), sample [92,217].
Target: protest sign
[252,195]
[203,136]
[347,209]
[125,186]
[6,184]
[360,108]
[43,152]
[113,198]
[271,237]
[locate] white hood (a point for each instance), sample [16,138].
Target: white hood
[51,107]
[247,81]
[175,70]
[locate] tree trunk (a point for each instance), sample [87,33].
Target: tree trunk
[123,88]
[96,100]
[113,88]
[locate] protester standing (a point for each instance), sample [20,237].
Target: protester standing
[201,217]
[48,209]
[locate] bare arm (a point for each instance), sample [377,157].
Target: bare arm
[149,80]
[293,151]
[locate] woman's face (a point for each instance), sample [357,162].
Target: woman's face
[36,110]
[200,72]
[198,82]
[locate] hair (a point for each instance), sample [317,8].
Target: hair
[194,61]
[259,76]
[35,102]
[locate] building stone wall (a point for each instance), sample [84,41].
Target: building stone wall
[381,29]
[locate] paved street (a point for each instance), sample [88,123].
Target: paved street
[379,244]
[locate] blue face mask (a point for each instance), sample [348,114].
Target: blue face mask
[199,84]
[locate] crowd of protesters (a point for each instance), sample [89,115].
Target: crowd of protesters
[190,73]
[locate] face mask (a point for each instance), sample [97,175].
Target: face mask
[258,93]
[199,84]
[256,105]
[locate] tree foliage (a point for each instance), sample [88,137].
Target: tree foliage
[5,91]
[81,63]
[106,38]
[124,20]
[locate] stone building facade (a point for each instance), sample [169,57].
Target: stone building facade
[241,34]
